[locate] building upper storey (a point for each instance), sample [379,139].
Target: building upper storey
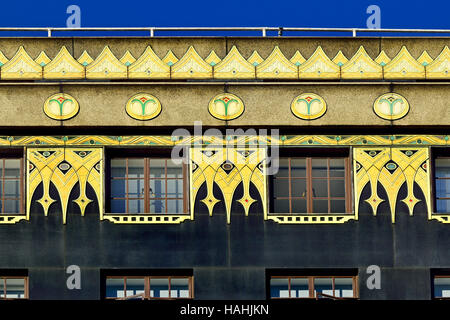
[292,82]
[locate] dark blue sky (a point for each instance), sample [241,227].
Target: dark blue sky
[319,13]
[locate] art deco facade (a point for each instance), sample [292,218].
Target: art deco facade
[357,127]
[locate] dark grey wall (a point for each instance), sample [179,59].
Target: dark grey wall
[228,261]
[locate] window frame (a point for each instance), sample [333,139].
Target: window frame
[309,156]
[437,153]
[147,288]
[147,155]
[312,294]
[26,288]
[17,154]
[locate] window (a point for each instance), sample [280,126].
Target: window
[311,185]
[153,185]
[295,287]
[442,184]
[441,285]
[12,287]
[11,184]
[149,287]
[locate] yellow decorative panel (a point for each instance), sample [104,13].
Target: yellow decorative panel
[3,59]
[311,218]
[391,106]
[85,58]
[106,66]
[425,59]
[42,59]
[404,66]
[21,66]
[297,58]
[228,168]
[391,168]
[63,66]
[149,66]
[340,59]
[277,66]
[143,106]
[255,58]
[440,67]
[234,66]
[212,59]
[361,66]
[308,106]
[145,218]
[64,168]
[191,65]
[170,59]
[226,106]
[319,66]
[127,58]
[61,106]
[382,59]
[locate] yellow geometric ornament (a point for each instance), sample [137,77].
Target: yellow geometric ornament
[308,106]
[143,106]
[391,106]
[61,106]
[226,106]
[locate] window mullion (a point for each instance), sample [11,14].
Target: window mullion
[328,185]
[290,185]
[147,185]
[309,185]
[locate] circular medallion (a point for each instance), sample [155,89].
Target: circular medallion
[308,106]
[143,106]
[61,106]
[391,106]
[226,106]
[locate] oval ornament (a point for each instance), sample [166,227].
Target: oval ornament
[143,106]
[308,106]
[61,106]
[391,106]
[226,106]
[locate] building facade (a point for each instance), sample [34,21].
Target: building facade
[225,168]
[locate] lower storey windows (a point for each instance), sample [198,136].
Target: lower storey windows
[13,287]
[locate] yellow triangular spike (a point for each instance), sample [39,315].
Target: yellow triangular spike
[191,65]
[234,65]
[212,58]
[319,66]
[425,59]
[3,59]
[382,59]
[361,66]
[63,66]
[127,58]
[85,58]
[170,58]
[277,66]
[106,65]
[297,58]
[21,66]
[255,58]
[340,59]
[404,66]
[149,65]
[42,59]
[440,67]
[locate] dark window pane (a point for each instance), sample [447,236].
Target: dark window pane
[12,168]
[337,168]
[283,170]
[323,285]
[343,287]
[2,285]
[15,288]
[118,188]
[442,167]
[136,206]
[159,288]
[299,288]
[443,188]
[298,167]
[12,206]
[320,188]
[281,187]
[443,206]
[279,288]
[320,206]
[118,206]
[337,188]
[12,188]
[135,168]
[338,206]
[157,188]
[319,167]
[115,288]
[179,288]
[281,206]
[298,187]
[157,206]
[118,168]
[442,287]
[299,206]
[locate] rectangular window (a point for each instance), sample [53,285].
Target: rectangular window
[149,287]
[12,287]
[313,287]
[441,285]
[148,185]
[318,185]
[11,182]
[442,184]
